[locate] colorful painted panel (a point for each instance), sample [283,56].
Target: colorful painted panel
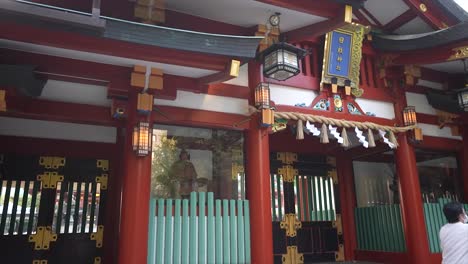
[322,104]
[338,102]
[352,109]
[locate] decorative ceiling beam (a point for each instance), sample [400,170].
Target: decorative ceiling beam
[371,16]
[400,20]
[363,19]
[231,71]
[318,8]
[344,16]
[429,13]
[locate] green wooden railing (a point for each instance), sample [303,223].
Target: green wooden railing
[380,228]
[315,199]
[435,219]
[200,230]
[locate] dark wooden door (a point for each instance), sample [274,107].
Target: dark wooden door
[51,209]
[303,189]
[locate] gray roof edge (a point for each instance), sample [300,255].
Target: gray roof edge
[453,8]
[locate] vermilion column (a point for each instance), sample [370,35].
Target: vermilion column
[344,167]
[410,193]
[258,183]
[135,197]
[464,162]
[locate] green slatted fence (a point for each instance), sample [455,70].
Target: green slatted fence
[315,198]
[435,219]
[379,228]
[199,230]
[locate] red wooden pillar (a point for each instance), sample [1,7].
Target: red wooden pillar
[133,239]
[417,244]
[258,182]
[463,155]
[344,166]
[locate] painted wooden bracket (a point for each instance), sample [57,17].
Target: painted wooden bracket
[103,164]
[40,261]
[42,238]
[2,101]
[332,173]
[339,255]
[338,224]
[103,180]
[288,173]
[49,179]
[52,162]
[292,256]
[291,224]
[97,260]
[98,236]
[286,157]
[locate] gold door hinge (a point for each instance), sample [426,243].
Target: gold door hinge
[97,260]
[331,161]
[339,255]
[49,179]
[286,157]
[102,180]
[292,256]
[288,173]
[291,224]
[332,173]
[39,261]
[98,236]
[103,164]
[338,225]
[42,238]
[52,162]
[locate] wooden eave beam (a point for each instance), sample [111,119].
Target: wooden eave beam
[433,16]
[369,14]
[326,9]
[363,19]
[400,20]
[427,56]
[30,34]
[317,29]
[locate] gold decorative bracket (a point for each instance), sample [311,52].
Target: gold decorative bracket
[98,236]
[412,73]
[338,224]
[49,179]
[103,164]
[42,238]
[52,162]
[292,256]
[102,180]
[40,261]
[334,175]
[288,173]
[236,169]
[291,224]
[286,157]
[339,255]
[459,53]
[97,260]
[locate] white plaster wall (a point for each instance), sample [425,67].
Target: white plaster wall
[420,102]
[379,108]
[243,78]
[430,84]
[56,130]
[207,102]
[75,93]
[435,131]
[286,95]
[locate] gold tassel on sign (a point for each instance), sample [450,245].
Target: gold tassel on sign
[300,130]
[370,138]
[392,138]
[344,135]
[324,134]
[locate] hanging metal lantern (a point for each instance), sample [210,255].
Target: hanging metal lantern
[281,61]
[409,116]
[142,139]
[262,96]
[462,95]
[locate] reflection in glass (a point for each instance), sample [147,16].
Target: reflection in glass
[187,159]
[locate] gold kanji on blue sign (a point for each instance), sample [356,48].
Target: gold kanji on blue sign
[342,57]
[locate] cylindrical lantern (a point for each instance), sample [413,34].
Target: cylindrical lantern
[462,95]
[142,139]
[281,61]
[409,116]
[262,96]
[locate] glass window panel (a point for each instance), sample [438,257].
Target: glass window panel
[187,159]
[96,207]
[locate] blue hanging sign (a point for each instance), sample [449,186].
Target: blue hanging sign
[340,54]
